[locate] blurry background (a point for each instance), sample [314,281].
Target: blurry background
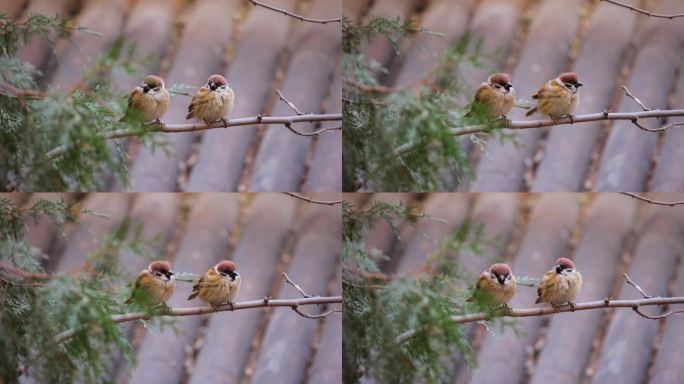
[605,235]
[257,50]
[534,41]
[265,234]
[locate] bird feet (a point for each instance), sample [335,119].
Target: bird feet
[571,117]
[572,306]
[225,122]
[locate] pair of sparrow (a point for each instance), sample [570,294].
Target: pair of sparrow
[557,98]
[212,102]
[559,286]
[217,286]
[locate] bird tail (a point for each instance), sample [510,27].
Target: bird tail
[193,294]
[531,111]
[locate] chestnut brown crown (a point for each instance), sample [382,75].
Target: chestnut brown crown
[225,267]
[501,79]
[565,263]
[153,81]
[161,266]
[216,80]
[570,77]
[500,269]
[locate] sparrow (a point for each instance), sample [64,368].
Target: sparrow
[154,283]
[218,285]
[150,99]
[213,101]
[496,285]
[560,285]
[496,96]
[558,97]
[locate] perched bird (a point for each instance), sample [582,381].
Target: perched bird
[560,285]
[496,95]
[154,283]
[213,101]
[150,99]
[218,285]
[558,97]
[495,286]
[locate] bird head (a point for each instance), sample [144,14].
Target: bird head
[226,268]
[570,81]
[215,82]
[501,273]
[500,81]
[161,269]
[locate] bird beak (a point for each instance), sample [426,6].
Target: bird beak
[579,84]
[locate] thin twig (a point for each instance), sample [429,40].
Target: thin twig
[605,115]
[643,11]
[638,288]
[296,16]
[194,311]
[297,287]
[629,94]
[312,133]
[319,316]
[651,201]
[288,102]
[656,317]
[661,129]
[313,201]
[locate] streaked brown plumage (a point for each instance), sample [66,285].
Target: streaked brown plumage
[150,99]
[496,285]
[213,101]
[558,97]
[496,95]
[560,285]
[218,285]
[154,283]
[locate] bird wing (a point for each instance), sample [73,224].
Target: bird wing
[195,288]
[545,280]
[200,94]
[138,285]
[479,98]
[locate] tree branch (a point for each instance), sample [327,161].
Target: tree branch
[194,311]
[196,127]
[313,201]
[287,121]
[605,115]
[18,92]
[635,305]
[296,16]
[22,273]
[643,11]
[651,201]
